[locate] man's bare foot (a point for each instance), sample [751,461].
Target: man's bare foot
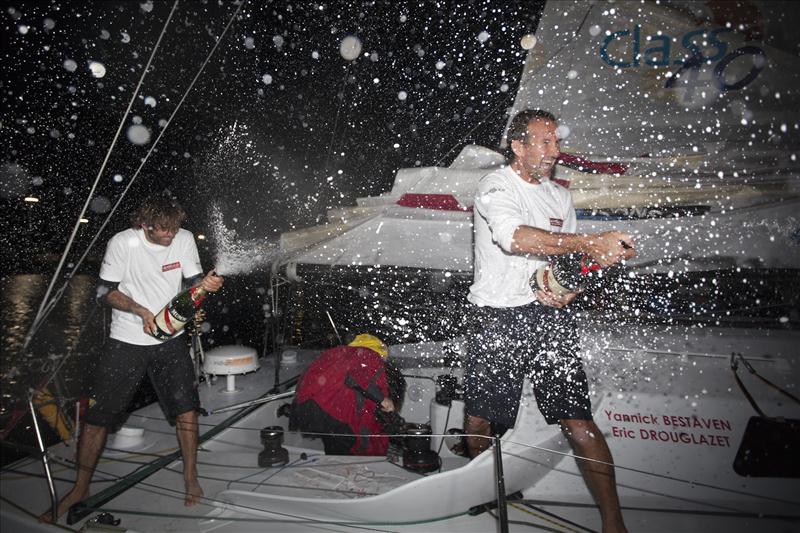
[74,496]
[194,493]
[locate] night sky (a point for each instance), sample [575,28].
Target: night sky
[280,126]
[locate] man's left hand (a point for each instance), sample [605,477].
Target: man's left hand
[212,282]
[553,300]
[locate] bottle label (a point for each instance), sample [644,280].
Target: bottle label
[198,295]
[547,282]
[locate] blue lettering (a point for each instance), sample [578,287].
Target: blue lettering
[721,46]
[758,66]
[663,50]
[694,50]
[701,46]
[637,38]
[604,49]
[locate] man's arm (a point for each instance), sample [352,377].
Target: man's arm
[607,248]
[122,302]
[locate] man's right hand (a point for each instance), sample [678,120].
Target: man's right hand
[148,319]
[610,247]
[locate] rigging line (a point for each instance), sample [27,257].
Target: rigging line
[338,111]
[532,524]
[147,156]
[548,513]
[653,474]
[39,314]
[160,135]
[739,514]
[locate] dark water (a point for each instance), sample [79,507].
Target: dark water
[69,340]
[72,338]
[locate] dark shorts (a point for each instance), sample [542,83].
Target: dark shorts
[509,344]
[171,373]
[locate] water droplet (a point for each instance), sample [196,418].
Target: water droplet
[350,47]
[100,204]
[138,134]
[528,41]
[98,69]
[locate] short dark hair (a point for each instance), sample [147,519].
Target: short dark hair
[518,127]
[159,210]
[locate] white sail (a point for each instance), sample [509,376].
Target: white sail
[684,92]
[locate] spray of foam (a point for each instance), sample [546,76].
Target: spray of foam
[235,255]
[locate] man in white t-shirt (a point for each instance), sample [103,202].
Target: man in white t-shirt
[521,216]
[143,269]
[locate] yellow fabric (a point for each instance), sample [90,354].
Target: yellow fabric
[372,342]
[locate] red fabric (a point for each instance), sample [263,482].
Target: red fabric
[324,383]
[585,165]
[441,202]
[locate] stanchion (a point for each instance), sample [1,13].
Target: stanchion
[48,474]
[502,510]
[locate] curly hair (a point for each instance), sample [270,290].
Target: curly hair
[159,210]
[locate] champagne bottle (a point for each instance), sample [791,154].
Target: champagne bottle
[565,273]
[178,312]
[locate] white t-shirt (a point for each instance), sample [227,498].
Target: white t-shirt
[148,273]
[504,202]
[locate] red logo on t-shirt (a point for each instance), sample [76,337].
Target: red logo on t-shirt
[556,222]
[171,266]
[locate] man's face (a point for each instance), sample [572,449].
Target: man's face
[539,152]
[159,234]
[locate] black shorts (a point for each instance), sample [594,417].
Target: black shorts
[509,344]
[171,373]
